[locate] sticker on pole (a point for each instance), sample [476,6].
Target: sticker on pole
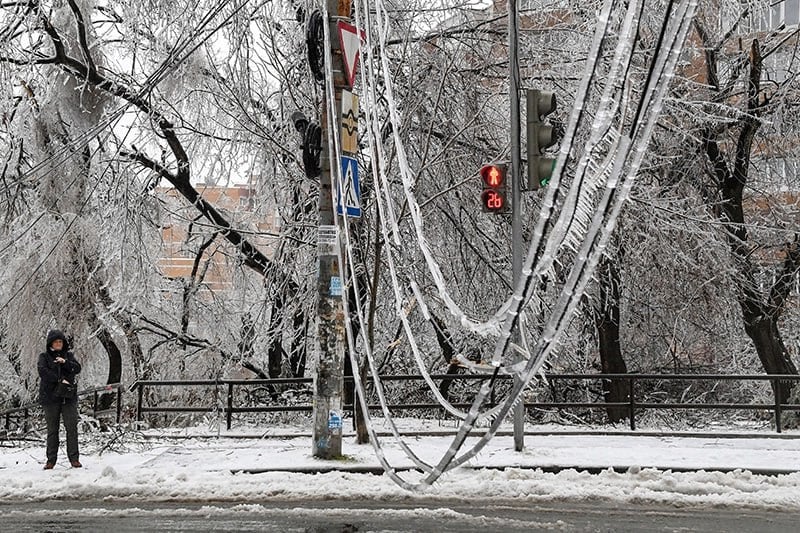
[327,235]
[349,200]
[335,288]
[350,39]
[334,422]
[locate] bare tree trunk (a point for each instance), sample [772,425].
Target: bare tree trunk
[141,367]
[275,350]
[448,353]
[114,365]
[760,315]
[606,319]
[299,344]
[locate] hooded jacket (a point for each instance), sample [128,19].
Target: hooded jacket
[50,372]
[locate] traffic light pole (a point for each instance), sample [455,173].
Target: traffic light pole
[329,368]
[516,192]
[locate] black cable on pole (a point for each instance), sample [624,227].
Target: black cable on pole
[315,40]
[312,148]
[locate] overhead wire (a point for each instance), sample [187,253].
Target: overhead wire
[520,291]
[338,185]
[346,259]
[589,253]
[383,204]
[678,24]
[565,224]
[382,173]
[489,327]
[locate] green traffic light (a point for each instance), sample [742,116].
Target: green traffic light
[544,181]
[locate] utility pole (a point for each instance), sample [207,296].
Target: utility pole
[328,378]
[516,194]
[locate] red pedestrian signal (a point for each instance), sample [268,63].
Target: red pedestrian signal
[493,197]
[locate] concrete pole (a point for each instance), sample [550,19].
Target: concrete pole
[329,368]
[516,192]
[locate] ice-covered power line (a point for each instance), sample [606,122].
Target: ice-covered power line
[675,26]
[611,159]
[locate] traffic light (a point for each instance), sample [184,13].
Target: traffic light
[540,137]
[493,197]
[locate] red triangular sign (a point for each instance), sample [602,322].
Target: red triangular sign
[350,39]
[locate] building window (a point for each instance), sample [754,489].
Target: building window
[771,16]
[763,16]
[791,12]
[780,65]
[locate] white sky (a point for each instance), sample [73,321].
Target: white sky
[169,469]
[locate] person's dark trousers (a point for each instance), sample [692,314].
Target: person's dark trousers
[52,414]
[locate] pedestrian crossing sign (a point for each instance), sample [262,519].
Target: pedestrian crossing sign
[348,200]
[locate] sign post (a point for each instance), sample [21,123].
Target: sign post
[329,369]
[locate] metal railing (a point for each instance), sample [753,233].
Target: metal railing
[631,405]
[227,401]
[19,417]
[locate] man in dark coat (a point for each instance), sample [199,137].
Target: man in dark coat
[57,365]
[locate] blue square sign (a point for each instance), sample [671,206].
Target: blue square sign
[349,199]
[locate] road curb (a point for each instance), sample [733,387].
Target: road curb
[479,433]
[550,469]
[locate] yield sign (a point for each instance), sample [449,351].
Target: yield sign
[348,201]
[350,39]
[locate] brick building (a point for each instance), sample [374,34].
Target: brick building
[179,250]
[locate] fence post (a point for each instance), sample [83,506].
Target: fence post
[631,403]
[229,414]
[119,403]
[139,402]
[777,390]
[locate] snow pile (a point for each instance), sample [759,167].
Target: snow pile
[202,469]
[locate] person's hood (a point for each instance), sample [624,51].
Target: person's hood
[54,334]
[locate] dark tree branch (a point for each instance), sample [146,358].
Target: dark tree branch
[58,44]
[180,179]
[190,287]
[710,52]
[23,62]
[81,27]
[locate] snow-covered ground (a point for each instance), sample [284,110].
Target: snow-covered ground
[189,465]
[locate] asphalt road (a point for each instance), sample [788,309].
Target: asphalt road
[346,516]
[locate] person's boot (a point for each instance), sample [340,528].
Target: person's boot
[49,466]
[75,464]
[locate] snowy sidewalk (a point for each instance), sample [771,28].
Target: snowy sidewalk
[763,455]
[708,470]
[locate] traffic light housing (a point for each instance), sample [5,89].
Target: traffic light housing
[540,137]
[493,197]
